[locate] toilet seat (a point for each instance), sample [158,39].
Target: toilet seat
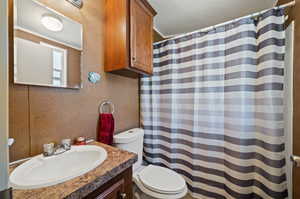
[160,182]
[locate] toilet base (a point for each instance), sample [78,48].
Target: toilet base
[138,194]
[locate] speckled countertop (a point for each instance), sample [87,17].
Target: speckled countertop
[117,161]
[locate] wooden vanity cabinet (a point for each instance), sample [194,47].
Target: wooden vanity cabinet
[128,40]
[120,187]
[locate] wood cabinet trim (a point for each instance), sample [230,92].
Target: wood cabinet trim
[149,7]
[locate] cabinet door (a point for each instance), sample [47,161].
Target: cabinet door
[116,191]
[141,24]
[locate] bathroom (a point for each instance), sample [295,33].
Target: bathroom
[149,99]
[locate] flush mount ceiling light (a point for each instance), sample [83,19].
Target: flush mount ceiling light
[51,22]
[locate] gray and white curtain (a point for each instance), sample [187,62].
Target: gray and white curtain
[213,110]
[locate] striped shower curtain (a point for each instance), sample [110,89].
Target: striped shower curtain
[213,110]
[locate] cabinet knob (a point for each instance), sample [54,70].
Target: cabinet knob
[133,58]
[123,195]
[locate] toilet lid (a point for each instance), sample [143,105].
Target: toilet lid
[162,180]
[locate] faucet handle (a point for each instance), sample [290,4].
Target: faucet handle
[66,144]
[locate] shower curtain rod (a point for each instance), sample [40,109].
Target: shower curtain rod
[290,4]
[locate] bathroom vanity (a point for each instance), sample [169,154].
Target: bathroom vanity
[110,180]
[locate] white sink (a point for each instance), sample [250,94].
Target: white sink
[43,171]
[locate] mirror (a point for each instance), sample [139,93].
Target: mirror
[47,46]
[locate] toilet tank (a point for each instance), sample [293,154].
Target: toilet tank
[132,141]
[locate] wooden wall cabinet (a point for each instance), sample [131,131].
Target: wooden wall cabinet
[128,37]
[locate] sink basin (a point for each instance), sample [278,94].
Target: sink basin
[43,171]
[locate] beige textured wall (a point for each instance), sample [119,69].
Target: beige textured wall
[39,115]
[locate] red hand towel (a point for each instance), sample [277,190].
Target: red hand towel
[106,128]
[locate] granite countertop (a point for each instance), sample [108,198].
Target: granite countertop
[117,161]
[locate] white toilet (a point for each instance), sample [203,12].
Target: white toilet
[150,181]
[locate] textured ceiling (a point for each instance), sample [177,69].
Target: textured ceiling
[182,16]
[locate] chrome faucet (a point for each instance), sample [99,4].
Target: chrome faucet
[50,149]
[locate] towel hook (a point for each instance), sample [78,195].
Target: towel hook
[106,102]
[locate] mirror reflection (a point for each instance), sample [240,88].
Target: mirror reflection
[47,47]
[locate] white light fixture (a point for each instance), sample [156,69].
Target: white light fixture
[51,22]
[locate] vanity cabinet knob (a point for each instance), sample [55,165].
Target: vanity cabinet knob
[123,195]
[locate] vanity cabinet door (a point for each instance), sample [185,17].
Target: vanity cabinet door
[119,187]
[116,191]
[141,24]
